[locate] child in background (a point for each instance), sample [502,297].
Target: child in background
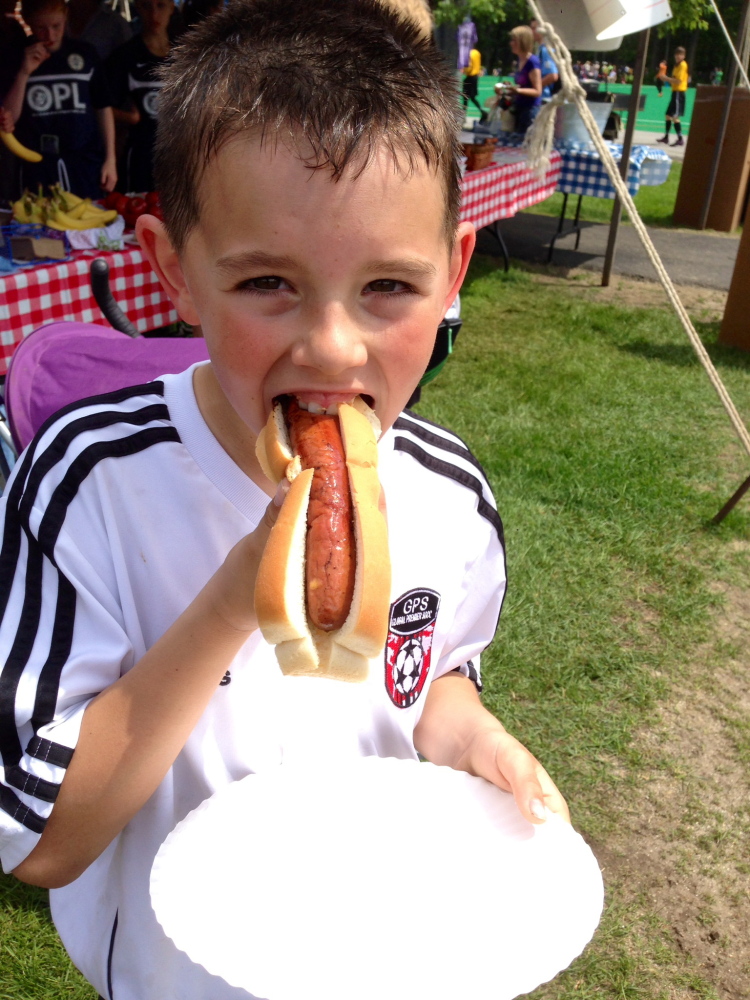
[676,108]
[61,107]
[312,231]
[660,75]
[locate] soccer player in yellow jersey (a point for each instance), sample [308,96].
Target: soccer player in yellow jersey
[675,111]
[471,74]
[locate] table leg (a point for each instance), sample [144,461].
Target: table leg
[494,228]
[576,225]
[560,224]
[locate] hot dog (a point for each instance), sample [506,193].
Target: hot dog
[323,586]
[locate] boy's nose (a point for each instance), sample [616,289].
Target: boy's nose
[332,343]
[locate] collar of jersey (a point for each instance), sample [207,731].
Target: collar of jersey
[206,451]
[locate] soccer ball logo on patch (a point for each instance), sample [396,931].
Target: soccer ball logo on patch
[75,61]
[409,646]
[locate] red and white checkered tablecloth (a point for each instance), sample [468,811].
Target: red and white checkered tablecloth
[33,297]
[501,190]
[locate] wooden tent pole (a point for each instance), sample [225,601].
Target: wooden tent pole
[627,145]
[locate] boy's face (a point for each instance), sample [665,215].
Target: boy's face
[678,57]
[48,27]
[318,288]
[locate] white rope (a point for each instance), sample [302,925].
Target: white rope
[539,146]
[731,44]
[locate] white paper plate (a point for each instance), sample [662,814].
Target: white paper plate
[378,879]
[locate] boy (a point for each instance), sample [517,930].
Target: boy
[61,107]
[312,231]
[676,108]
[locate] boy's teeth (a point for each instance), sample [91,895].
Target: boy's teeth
[313,407]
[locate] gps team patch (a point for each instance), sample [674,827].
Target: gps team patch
[409,645]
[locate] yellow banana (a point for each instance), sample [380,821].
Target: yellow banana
[63,221]
[99,217]
[77,211]
[18,149]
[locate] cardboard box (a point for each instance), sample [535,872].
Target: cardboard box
[728,201]
[735,326]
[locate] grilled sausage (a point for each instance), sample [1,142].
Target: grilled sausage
[330,546]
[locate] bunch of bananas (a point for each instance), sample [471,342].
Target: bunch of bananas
[61,210]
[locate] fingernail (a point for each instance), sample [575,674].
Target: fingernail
[281,491]
[537,810]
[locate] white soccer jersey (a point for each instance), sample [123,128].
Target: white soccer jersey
[114,520]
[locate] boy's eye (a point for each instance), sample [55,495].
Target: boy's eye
[387,286]
[267,283]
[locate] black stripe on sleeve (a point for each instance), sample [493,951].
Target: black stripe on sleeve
[438,441]
[31,784]
[11,804]
[46,750]
[458,475]
[470,672]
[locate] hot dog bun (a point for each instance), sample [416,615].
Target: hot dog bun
[302,649]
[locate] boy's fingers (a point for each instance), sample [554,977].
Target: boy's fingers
[533,789]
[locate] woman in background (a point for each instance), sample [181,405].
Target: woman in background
[527,88]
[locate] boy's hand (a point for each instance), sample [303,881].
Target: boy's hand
[33,57]
[233,586]
[497,756]
[456,730]
[7,123]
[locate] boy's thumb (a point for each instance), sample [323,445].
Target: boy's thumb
[272,510]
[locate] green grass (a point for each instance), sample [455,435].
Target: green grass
[608,453]
[655,204]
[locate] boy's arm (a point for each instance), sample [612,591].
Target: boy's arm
[106,122]
[133,731]
[33,56]
[457,730]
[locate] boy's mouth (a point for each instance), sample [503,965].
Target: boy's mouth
[325,402]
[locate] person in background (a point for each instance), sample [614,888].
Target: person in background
[527,88]
[660,75]
[94,22]
[65,114]
[550,75]
[132,72]
[471,73]
[676,109]
[12,43]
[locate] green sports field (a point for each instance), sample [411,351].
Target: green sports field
[651,119]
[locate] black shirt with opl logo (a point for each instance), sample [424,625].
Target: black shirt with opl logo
[59,120]
[132,77]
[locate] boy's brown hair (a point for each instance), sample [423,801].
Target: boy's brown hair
[337,81]
[30,8]
[679,51]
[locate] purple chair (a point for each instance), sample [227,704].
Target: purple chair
[64,362]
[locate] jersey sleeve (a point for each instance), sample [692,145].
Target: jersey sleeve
[62,641]
[482,593]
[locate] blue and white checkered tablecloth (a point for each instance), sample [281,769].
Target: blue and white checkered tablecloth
[583,172]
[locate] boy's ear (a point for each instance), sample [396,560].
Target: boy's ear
[463,248]
[164,259]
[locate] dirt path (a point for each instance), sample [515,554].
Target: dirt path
[683,845]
